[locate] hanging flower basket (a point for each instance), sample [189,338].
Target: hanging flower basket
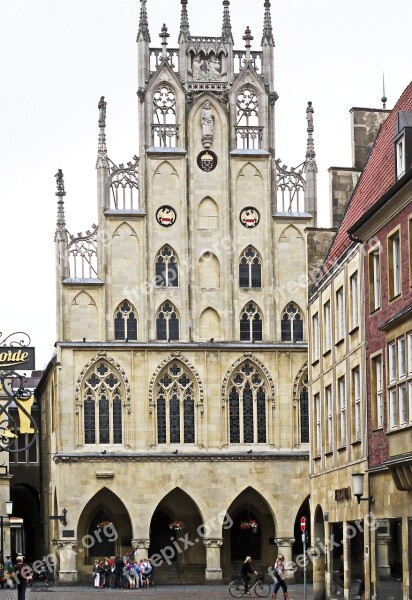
[103,524]
[249,525]
[177,525]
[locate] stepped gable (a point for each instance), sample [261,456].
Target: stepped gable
[377,177]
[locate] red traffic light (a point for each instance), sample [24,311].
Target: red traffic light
[303,524]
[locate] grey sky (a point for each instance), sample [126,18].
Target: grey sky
[60,56]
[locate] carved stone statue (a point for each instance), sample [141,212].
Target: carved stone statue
[198,73]
[213,69]
[207,121]
[102,112]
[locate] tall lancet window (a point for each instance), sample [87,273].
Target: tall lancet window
[102,405]
[251,324]
[125,322]
[250,269]
[292,323]
[304,410]
[175,403]
[165,131]
[248,132]
[167,268]
[247,406]
[167,323]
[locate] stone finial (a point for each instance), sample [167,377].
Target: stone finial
[60,184]
[102,160]
[248,37]
[61,220]
[184,35]
[310,163]
[143,33]
[164,35]
[310,168]
[267,27]
[227,35]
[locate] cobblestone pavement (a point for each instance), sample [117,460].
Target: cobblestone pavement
[164,592]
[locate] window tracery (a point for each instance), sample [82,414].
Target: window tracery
[125,322]
[167,268]
[292,323]
[250,269]
[102,405]
[248,132]
[247,406]
[304,410]
[165,132]
[251,324]
[175,399]
[167,323]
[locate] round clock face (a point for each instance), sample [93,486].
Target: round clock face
[249,217]
[207,161]
[166,216]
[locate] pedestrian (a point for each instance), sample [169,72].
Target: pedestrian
[280,575]
[118,572]
[107,571]
[23,575]
[96,573]
[246,571]
[8,572]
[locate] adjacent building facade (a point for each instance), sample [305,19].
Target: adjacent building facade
[179,389]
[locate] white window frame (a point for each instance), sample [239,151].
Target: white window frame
[410,401]
[403,404]
[396,264]
[315,327]
[400,157]
[328,329]
[342,410]
[354,289]
[329,405]
[401,357]
[392,362]
[377,366]
[318,435]
[340,309]
[409,337]
[357,402]
[393,409]
[376,279]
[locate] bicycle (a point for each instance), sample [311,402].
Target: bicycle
[337,588]
[42,575]
[260,587]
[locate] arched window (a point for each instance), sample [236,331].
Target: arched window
[250,269]
[248,132]
[251,324]
[304,410]
[247,406]
[102,405]
[165,132]
[292,323]
[175,405]
[167,323]
[167,268]
[125,322]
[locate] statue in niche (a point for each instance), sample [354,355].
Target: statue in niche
[213,68]
[207,121]
[198,68]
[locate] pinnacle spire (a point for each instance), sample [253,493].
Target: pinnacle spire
[267,26]
[310,162]
[227,35]
[143,33]
[61,192]
[102,161]
[184,35]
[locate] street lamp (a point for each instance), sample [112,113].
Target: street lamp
[9,511]
[357,480]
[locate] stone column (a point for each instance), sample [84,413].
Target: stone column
[383,570]
[285,547]
[213,571]
[141,547]
[67,554]
[317,558]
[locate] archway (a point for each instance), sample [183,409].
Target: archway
[241,540]
[26,505]
[179,554]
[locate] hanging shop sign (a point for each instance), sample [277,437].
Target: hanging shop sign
[12,357]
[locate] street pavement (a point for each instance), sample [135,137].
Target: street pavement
[161,592]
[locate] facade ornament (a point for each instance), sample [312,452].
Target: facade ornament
[207,121]
[141,544]
[61,234]
[248,37]
[273,98]
[267,27]
[310,162]
[143,34]
[141,93]
[184,35]
[164,35]
[255,362]
[102,160]
[206,70]
[227,35]
[213,542]
[299,382]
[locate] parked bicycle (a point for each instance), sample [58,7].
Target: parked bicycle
[43,574]
[261,588]
[337,589]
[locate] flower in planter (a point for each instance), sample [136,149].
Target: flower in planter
[177,525]
[103,524]
[251,524]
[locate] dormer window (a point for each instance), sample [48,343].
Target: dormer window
[403,143]
[400,157]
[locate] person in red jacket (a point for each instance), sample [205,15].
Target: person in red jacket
[22,575]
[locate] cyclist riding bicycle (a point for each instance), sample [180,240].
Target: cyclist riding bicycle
[246,571]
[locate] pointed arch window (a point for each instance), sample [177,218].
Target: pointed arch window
[251,324]
[304,410]
[165,131]
[250,269]
[247,406]
[125,322]
[292,323]
[167,323]
[248,133]
[175,399]
[102,406]
[167,268]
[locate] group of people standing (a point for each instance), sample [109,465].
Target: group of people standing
[122,573]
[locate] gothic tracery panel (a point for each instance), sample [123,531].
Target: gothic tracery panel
[125,322]
[292,323]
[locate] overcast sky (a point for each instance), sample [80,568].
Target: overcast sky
[60,56]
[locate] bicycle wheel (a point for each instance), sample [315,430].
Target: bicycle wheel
[237,588]
[49,581]
[262,589]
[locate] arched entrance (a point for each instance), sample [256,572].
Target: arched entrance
[26,505]
[181,551]
[253,526]
[297,548]
[104,529]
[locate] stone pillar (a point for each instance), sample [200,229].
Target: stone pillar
[285,547]
[141,547]
[317,558]
[66,552]
[213,571]
[383,570]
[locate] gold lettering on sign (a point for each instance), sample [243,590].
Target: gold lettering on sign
[10,358]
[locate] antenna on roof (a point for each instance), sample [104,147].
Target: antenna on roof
[384,98]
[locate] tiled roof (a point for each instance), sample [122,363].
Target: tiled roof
[377,177]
